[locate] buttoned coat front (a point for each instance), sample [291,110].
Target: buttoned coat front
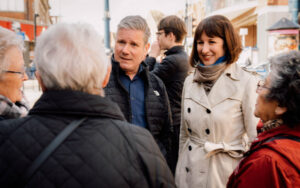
[215,128]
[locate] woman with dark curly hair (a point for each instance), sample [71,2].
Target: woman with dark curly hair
[274,158]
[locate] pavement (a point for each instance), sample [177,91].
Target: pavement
[32,91]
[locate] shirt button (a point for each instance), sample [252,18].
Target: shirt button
[187,169]
[190,130]
[207,131]
[208,111]
[189,110]
[190,148]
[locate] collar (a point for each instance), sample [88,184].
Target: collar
[232,72]
[68,102]
[174,50]
[280,130]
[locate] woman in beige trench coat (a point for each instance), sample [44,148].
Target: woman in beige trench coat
[217,108]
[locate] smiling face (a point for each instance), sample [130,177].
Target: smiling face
[11,83]
[210,49]
[130,50]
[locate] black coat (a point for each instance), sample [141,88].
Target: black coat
[157,108]
[172,71]
[105,151]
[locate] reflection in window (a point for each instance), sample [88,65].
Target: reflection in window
[12,5]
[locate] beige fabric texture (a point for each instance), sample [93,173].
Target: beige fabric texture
[208,159]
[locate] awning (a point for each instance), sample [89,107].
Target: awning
[243,14]
[26,26]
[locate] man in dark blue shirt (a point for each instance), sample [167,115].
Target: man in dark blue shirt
[141,95]
[135,88]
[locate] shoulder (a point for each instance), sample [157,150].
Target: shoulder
[155,81]
[190,78]
[11,125]
[180,57]
[280,155]
[242,75]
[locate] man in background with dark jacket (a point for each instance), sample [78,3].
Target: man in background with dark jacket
[173,69]
[141,95]
[102,149]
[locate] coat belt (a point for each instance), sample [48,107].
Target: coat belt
[234,150]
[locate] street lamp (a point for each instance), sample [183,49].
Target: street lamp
[107,29]
[34,21]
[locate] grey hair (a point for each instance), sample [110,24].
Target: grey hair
[136,23]
[71,56]
[8,39]
[285,85]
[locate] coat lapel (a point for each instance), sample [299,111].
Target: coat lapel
[198,94]
[224,87]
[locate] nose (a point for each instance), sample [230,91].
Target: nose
[125,49]
[25,77]
[205,48]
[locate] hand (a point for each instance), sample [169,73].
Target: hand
[154,50]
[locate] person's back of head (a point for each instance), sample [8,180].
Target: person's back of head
[175,25]
[71,56]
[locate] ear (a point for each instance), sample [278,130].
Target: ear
[171,36]
[38,77]
[106,79]
[147,46]
[280,110]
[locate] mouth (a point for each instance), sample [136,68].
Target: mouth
[206,57]
[125,59]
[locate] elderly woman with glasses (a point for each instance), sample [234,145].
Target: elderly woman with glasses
[12,75]
[274,158]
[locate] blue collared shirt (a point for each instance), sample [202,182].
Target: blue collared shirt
[136,90]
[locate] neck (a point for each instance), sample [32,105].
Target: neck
[131,74]
[173,44]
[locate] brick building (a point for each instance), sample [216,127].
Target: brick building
[24,17]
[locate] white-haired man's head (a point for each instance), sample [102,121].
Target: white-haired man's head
[72,56]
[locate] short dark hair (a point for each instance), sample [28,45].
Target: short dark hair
[285,85]
[218,26]
[175,25]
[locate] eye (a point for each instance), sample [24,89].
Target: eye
[134,44]
[212,42]
[199,42]
[121,42]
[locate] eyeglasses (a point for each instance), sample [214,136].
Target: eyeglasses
[16,72]
[261,85]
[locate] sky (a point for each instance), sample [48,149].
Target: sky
[92,11]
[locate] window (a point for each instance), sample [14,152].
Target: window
[12,5]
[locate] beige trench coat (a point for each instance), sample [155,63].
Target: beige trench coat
[215,129]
